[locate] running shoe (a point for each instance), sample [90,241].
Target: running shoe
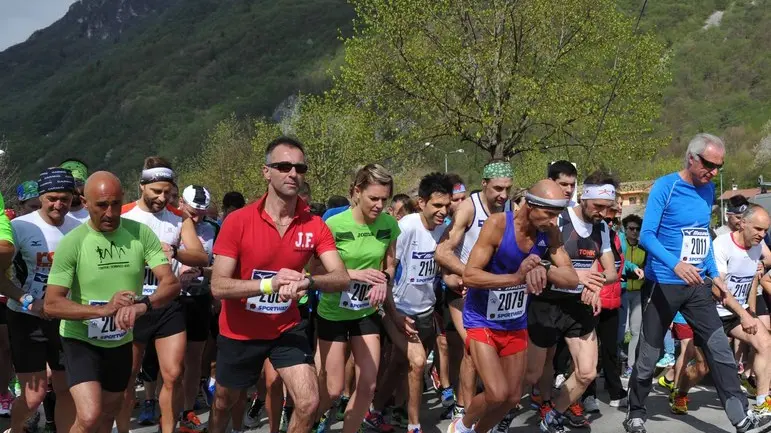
[590,405]
[450,428]
[323,424]
[627,373]
[575,416]
[448,397]
[536,401]
[753,424]
[545,408]
[190,423]
[147,414]
[342,405]
[415,430]
[668,360]
[559,380]
[552,422]
[622,402]
[377,422]
[446,413]
[680,405]
[634,425]
[669,385]
[6,400]
[503,425]
[763,409]
[252,416]
[15,386]
[49,427]
[458,412]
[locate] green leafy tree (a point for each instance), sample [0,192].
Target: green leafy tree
[564,77]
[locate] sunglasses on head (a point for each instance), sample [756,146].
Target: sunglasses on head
[709,165]
[286,167]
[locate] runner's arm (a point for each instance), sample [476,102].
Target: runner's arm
[561,273]
[193,255]
[489,238]
[445,251]
[224,286]
[765,283]
[766,255]
[336,278]
[168,286]
[609,267]
[58,306]
[7,287]
[651,220]
[727,298]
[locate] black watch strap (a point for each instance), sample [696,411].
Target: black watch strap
[144,299]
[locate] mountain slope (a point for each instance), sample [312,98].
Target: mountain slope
[156,78]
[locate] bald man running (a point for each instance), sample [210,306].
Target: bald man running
[100,265]
[504,267]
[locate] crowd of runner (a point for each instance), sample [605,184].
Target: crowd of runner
[351,310]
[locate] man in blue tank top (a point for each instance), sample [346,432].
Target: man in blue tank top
[504,267]
[675,232]
[569,313]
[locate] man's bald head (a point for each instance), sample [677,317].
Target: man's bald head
[104,198]
[548,189]
[102,182]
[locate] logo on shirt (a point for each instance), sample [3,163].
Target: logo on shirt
[422,256]
[344,237]
[36,243]
[304,241]
[542,243]
[383,235]
[44,259]
[111,256]
[480,223]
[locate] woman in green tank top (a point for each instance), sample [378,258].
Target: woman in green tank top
[366,240]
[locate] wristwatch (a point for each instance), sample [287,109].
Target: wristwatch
[311,282]
[546,264]
[143,299]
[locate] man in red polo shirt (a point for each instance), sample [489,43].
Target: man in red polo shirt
[261,252]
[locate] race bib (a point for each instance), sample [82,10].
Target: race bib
[37,287]
[150,284]
[695,245]
[740,287]
[507,304]
[580,265]
[266,304]
[355,297]
[104,328]
[423,268]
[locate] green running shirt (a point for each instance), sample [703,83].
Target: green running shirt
[96,265]
[360,246]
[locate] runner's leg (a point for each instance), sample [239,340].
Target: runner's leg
[124,416]
[584,352]
[302,384]
[171,355]
[365,350]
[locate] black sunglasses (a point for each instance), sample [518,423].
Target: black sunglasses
[286,167]
[709,165]
[633,229]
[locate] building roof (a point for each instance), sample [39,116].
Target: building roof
[747,192]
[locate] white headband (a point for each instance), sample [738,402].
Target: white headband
[599,192]
[157,174]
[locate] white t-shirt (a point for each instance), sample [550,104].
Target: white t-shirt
[166,224]
[35,242]
[739,265]
[463,251]
[80,215]
[415,248]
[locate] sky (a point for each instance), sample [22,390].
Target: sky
[20,18]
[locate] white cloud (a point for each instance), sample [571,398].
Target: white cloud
[20,18]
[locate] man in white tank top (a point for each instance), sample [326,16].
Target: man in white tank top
[737,256]
[453,251]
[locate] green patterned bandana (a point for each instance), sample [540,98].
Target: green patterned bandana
[496,170]
[27,191]
[78,169]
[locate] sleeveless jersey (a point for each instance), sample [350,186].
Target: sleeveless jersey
[505,308]
[584,251]
[472,233]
